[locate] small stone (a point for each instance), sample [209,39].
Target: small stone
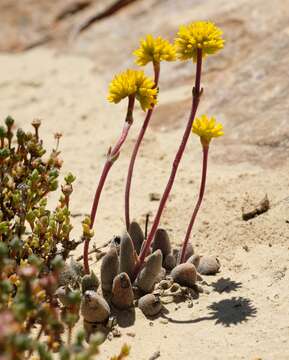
[209,265]
[164,321]
[165,284]
[122,293]
[185,274]
[150,305]
[174,288]
[116,332]
[190,304]
[246,248]
[154,196]
[131,334]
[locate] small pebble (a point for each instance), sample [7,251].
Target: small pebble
[131,334]
[209,265]
[154,196]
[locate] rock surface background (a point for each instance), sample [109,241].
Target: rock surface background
[47,72]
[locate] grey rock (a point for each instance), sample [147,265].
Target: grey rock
[150,305]
[209,265]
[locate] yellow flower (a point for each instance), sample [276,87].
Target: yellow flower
[203,35]
[155,50]
[207,128]
[133,82]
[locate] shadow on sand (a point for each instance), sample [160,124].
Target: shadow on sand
[225,285]
[226,312]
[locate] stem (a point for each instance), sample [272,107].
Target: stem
[111,157]
[179,154]
[135,151]
[198,204]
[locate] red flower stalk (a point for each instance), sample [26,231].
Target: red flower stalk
[135,151]
[111,158]
[198,204]
[195,102]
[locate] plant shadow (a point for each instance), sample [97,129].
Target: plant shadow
[226,312]
[225,285]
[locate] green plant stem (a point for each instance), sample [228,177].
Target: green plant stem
[111,157]
[178,157]
[198,204]
[135,152]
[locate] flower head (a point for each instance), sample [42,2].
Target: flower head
[133,82]
[203,35]
[155,50]
[207,128]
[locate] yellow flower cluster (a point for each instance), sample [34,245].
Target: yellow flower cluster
[207,128]
[203,35]
[133,82]
[154,50]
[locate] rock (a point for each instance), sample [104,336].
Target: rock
[209,265]
[185,274]
[150,305]
[154,196]
[162,242]
[165,284]
[137,236]
[109,269]
[122,293]
[126,255]
[89,282]
[148,275]
[94,308]
[251,209]
[195,260]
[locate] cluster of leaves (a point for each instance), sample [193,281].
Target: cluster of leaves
[27,176]
[31,322]
[34,244]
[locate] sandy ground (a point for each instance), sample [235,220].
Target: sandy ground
[243,313]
